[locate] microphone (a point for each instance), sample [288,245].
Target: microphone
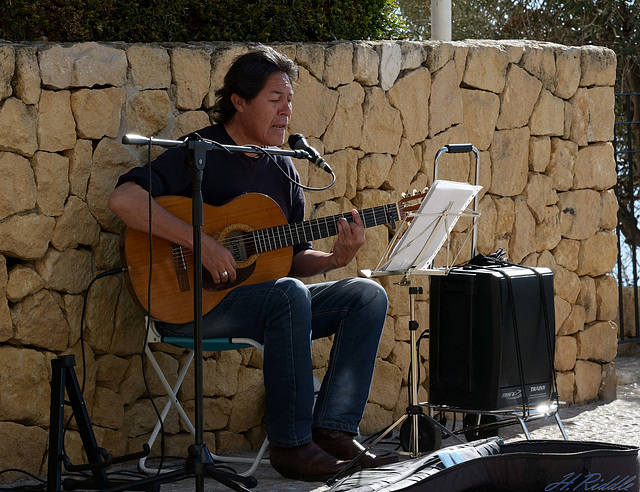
[298,142]
[132,139]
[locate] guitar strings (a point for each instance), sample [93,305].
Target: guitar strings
[181,253]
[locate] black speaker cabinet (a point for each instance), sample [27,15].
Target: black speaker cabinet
[490,342]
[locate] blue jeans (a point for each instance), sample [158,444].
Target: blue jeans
[285,315]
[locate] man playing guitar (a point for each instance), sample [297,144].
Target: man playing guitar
[253,108]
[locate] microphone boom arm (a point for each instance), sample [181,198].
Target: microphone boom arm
[131,139]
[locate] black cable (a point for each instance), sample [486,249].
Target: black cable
[262,150]
[143,356]
[516,336]
[440,417]
[24,488]
[424,335]
[115,271]
[554,395]
[265,151]
[495,261]
[150,225]
[106,273]
[550,340]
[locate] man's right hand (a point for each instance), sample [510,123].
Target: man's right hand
[130,202]
[217,260]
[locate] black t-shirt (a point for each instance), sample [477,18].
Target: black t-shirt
[225,177]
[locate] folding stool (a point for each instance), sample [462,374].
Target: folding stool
[208,344]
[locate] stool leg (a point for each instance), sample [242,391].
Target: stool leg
[173,401]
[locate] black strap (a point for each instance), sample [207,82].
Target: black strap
[496,261]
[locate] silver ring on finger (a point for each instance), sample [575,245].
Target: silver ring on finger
[224,274]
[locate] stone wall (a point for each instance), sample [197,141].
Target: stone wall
[541,115]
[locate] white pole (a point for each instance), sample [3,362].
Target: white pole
[441,20]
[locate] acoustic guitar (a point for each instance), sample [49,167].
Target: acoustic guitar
[252,227]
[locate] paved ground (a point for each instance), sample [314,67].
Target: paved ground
[615,422]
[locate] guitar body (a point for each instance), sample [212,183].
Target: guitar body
[172,273]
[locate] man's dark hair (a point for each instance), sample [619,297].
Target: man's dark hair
[247,76]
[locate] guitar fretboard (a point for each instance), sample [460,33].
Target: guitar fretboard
[291,234]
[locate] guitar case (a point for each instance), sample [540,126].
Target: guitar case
[492,466]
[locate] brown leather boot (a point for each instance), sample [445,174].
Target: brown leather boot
[343,446]
[307,462]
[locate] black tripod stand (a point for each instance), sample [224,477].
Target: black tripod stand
[415,412]
[64,380]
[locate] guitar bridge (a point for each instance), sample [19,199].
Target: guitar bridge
[180,264]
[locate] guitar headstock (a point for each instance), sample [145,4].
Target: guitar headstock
[410,203]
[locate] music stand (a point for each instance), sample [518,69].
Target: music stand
[413,253]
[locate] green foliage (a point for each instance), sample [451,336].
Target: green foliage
[416,15]
[611,23]
[198,20]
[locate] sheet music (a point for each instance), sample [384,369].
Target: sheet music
[429,229]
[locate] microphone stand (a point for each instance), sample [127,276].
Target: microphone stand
[199,461]
[199,457]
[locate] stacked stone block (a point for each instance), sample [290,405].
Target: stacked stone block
[540,114]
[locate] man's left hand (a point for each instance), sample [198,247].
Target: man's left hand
[350,239]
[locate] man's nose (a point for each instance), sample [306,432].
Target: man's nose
[286,108]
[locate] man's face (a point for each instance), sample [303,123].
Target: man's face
[264,119]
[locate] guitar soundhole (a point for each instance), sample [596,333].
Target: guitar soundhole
[236,243]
